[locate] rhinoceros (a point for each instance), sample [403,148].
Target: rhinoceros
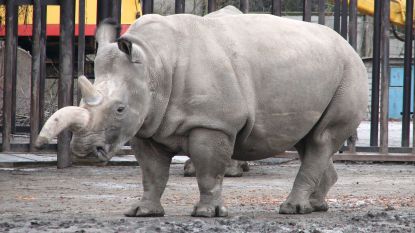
[242,87]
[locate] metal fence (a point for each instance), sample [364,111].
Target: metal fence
[345,23]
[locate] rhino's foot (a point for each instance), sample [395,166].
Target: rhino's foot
[318,205]
[209,211]
[245,166]
[295,208]
[233,172]
[145,210]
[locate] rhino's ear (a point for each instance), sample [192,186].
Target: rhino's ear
[130,49]
[107,31]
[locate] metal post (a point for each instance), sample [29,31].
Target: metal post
[307,10]
[35,81]
[103,10]
[407,73]
[116,10]
[67,18]
[384,104]
[337,16]
[147,6]
[321,12]
[81,44]
[9,71]
[374,120]
[353,23]
[179,7]
[211,5]
[276,7]
[343,30]
[244,6]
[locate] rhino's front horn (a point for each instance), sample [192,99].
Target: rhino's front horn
[71,117]
[90,95]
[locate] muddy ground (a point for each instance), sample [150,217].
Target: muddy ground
[367,198]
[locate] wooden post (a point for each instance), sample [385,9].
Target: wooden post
[384,103]
[10,58]
[65,98]
[35,81]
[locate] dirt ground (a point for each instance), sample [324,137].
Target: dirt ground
[367,198]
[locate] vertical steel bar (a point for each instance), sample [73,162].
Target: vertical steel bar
[211,5]
[307,10]
[42,83]
[116,11]
[81,44]
[374,120]
[337,16]
[9,72]
[103,10]
[276,7]
[67,18]
[384,104]
[244,6]
[407,73]
[179,6]
[321,12]
[147,6]
[353,23]
[35,81]
[343,30]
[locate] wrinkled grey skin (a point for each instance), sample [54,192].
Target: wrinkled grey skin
[235,168]
[242,86]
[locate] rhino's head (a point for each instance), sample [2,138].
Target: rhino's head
[112,109]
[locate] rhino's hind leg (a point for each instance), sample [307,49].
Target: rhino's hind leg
[210,151]
[318,197]
[154,164]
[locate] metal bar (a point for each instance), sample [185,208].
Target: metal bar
[116,11]
[321,12]
[353,23]
[67,19]
[9,72]
[374,120]
[307,10]
[407,73]
[384,104]
[179,7]
[244,6]
[42,84]
[103,10]
[211,5]
[81,44]
[276,7]
[337,16]
[35,81]
[147,6]
[14,67]
[343,30]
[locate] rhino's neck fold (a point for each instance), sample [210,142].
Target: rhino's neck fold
[159,75]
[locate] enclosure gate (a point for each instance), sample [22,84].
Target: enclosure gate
[345,23]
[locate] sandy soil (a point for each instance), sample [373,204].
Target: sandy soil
[367,198]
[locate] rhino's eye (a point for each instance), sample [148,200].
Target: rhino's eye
[120,109]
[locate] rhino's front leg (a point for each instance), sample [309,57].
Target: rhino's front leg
[210,151]
[154,163]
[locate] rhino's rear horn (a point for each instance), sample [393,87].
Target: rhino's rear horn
[107,32]
[90,94]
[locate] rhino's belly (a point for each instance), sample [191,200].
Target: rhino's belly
[275,133]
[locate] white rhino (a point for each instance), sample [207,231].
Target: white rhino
[242,87]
